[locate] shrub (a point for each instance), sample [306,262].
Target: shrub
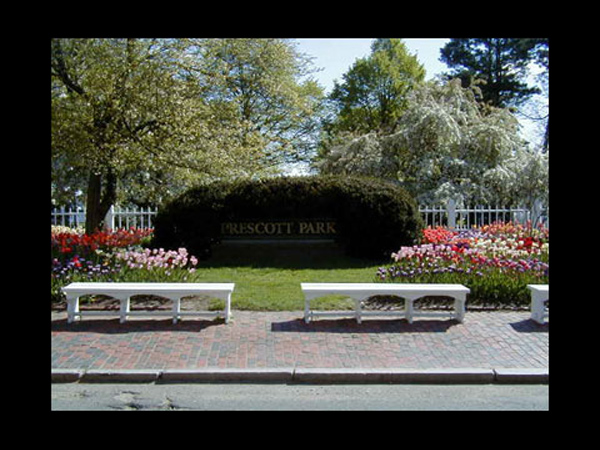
[373,218]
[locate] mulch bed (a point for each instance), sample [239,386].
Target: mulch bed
[201,303]
[138,302]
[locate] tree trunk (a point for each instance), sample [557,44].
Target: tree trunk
[92,204]
[97,205]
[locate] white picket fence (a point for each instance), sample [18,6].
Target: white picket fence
[465,218]
[443,215]
[116,217]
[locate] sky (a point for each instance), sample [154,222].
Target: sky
[336,56]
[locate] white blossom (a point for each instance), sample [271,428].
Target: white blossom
[447,146]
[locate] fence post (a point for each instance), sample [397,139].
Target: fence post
[451,210]
[536,211]
[109,219]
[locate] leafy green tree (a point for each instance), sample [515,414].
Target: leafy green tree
[374,92]
[115,103]
[264,83]
[163,113]
[500,63]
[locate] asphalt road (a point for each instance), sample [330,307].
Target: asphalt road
[253,397]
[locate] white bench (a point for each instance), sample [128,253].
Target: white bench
[539,295]
[172,291]
[361,291]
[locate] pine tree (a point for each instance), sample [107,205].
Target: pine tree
[499,65]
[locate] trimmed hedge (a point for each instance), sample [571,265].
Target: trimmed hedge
[373,218]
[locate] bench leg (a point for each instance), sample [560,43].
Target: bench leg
[125,305]
[306,310]
[72,308]
[176,309]
[357,310]
[537,307]
[459,308]
[228,308]
[408,309]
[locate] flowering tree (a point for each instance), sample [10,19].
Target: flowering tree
[522,178]
[446,145]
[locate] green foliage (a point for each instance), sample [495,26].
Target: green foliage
[149,117]
[374,92]
[373,218]
[259,82]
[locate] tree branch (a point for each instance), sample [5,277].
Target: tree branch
[60,68]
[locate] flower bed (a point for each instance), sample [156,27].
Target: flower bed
[158,264]
[113,256]
[66,241]
[495,261]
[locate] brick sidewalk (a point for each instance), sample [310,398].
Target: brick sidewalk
[282,339]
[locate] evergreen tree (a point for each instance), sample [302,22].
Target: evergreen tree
[499,64]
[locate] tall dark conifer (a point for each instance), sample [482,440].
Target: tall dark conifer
[500,63]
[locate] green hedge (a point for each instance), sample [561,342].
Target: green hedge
[373,218]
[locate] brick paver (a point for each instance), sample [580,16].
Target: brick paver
[281,339]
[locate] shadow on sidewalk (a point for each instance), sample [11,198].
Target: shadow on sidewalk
[114,326]
[530,326]
[367,326]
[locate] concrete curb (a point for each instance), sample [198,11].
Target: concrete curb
[306,375]
[260,375]
[400,376]
[522,376]
[120,376]
[66,375]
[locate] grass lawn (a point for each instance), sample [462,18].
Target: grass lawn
[269,279]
